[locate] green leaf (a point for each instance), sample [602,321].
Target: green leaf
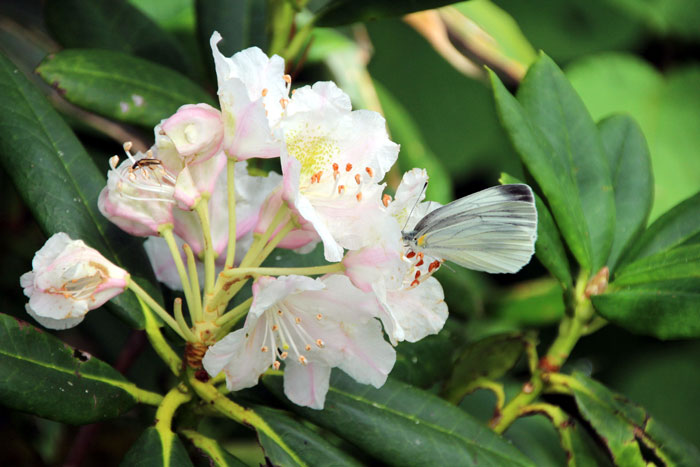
[551,172]
[157,448]
[555,108]
[414,150]
[401,425]
[548,247]
[113,25]
[427,361]
[633,182]
[212,451]
[241,24]
[43,376]
[678,226]
[488,358]
[622,425]
[670,17]
[60,183]
[120,86]
[309,446]
[657,295]
[665,106]
[538,302]
[339,12]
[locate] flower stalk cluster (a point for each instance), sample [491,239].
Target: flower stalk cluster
[210,219]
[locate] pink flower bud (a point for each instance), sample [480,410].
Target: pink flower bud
[67,280]
[196,132]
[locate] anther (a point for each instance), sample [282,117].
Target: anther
[276,365]
[348,167]
[369,171]
[308,347]
[283,355]
[386,199]
[279,312]
[319,316]
[320,343]
[264,92]
[410,254]
[419,263]
[275,327]
[297,320]
[114,161]
[359,196]
[127,146]
[287,79]
[149,154]
[415,283]
[358,179]
[341,189]
[433,266]
[263,348]
[283,102]
[417,274]
[302,360]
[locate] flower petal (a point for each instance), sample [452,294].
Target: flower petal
[307,385]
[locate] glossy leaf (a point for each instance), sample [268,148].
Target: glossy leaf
[633,182]
[551,172]
[401,425]
[339,12]
[212,450]
[678,226]
[60,183]
[43,376]
[664,105]
[657,295]
[414,150]
[548,247]
[157,448]
[427,361]
[309,446]
[488,358]
[241,24]
[120,86]
[622,425]
[554,107]
[112,25]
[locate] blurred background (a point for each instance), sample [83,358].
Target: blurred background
[424,72]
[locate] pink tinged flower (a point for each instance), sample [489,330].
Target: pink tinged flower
[334,162]
[302,239]
[253,91]
[139,195]
[67,280]
[196,131]
[312,325]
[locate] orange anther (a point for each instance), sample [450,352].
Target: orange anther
[386,199]
[410,254]
[287,79]
[417,274]
[264,92]
[341,189]
[348,167]
[335,167]
[369,171]
[433,266]
[419,263]
[359,196]
[358,178]
[415,283]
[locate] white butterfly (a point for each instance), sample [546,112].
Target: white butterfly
[493,230]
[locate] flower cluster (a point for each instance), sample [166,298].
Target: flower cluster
[212,218]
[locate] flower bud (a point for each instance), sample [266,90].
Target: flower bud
[196,132]
[67,280]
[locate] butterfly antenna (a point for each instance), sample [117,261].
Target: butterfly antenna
[425,185]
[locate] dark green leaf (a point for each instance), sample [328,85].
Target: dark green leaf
[680,225]
[339,12]
[113,25]
[402,425]
[551,172]
[657,295]
[60,183]
[157,448]
[622,424]
[539,302]
[43,376]
[427,361]
[414,150]
[213,452]
[488,358]
[548,247]
[120,86]
[554,107]
[633,182]
[309,446]
[241,24]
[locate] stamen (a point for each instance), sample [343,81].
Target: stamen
[419,263]
[303,360]
[275,327]
[284,355]
[283,102]
[264,348]
[114,162]
[320,343]
[369,171]
[307,347]
[341,189]
[386,199]
[410,254]
[264,92]
[359,196]
[276,365]
[358,179]
[279,312]
[127,146]
[348,167]
[287,79]
[417,274]
[433,266]
[297,320]
[149,154]
[319,316]
[415,283]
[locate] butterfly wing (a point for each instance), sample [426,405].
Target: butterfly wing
[493,230]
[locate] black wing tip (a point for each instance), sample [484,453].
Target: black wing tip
[518,192]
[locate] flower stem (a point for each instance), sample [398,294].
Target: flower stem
[231,317]
[167,234]
[186,330]
[162,348]
[202,210]
[260,242]
[196,310]
[240,414]
[165,413]
[153,305]
[230,180]
[307,271]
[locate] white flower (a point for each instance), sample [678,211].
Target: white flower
[333,164]
[67,280]
[412,300]
[311,325]
[253,91]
